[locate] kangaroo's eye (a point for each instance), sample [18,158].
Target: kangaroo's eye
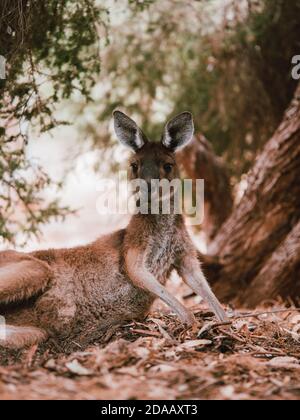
[168,167]
[134,166]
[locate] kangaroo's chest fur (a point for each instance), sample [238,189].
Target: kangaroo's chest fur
[160,238]
[161,250]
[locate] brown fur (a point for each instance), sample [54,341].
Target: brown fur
[21,276]
[112,280]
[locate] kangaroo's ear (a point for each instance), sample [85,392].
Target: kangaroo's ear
[128,132]
[179,131]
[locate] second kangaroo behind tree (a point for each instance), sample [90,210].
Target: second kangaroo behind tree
[67,292]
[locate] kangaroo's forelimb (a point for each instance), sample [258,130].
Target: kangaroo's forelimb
[192,275]
[142,277]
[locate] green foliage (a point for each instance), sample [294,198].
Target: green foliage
[52,51]
[22,208]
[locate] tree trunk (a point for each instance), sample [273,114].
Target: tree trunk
[200,162]
[259,244]
[280,275]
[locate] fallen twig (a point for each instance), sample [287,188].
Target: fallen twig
[254,315]
[146,332]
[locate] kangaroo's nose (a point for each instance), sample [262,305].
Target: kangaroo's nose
[148,172]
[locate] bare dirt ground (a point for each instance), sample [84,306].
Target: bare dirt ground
[256,357]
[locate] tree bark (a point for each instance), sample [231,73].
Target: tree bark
[280,275]
[200,162]
[258,245]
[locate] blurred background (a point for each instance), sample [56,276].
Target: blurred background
[71,63]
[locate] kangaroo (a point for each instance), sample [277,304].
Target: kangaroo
[62,292]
